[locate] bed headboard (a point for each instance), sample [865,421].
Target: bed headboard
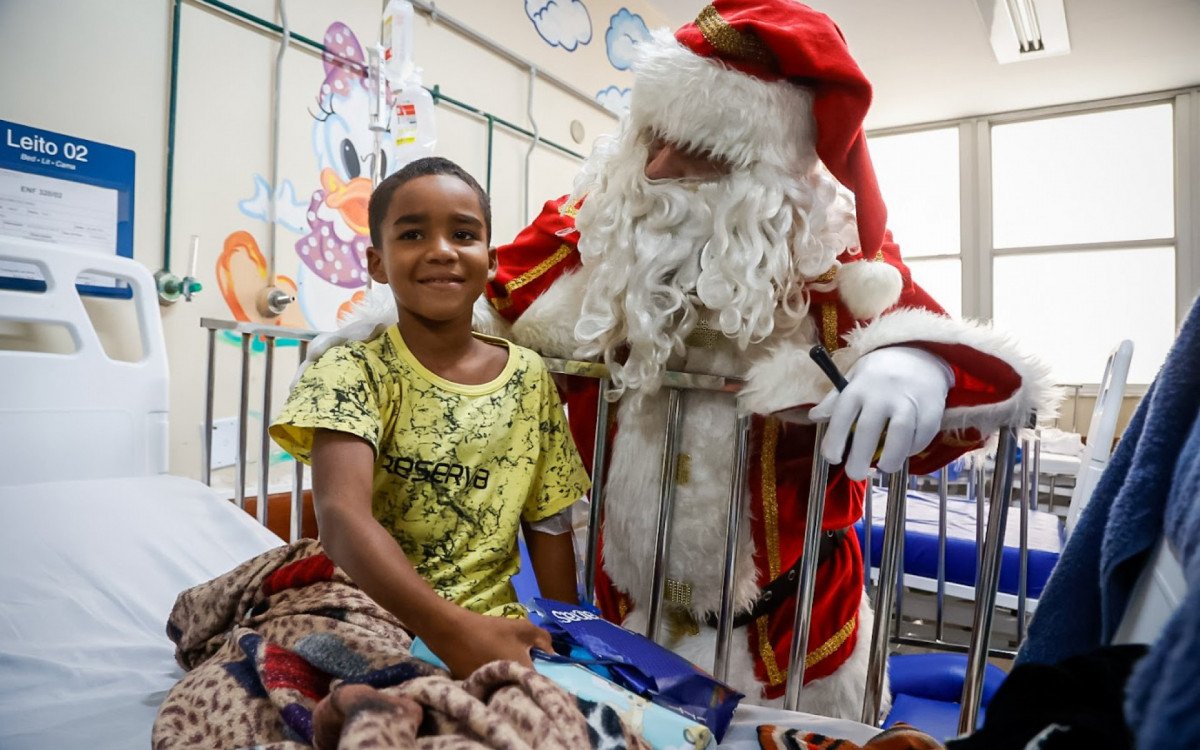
[80,415]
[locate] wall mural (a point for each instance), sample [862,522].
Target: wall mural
[615,99]
[332,226]
[561,23]
[625,31]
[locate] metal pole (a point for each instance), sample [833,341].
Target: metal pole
[209,390]
[264,448]
[889,569]
[1037,466]
[898,619]
[809,557]
[943,501]
[239,488]
[868,530]
[596,509]
[172,106]
[985,587]
[1023,561]
[737,505]
[296,517]
[979,514]
[285,39]
[491,132]
[666,504]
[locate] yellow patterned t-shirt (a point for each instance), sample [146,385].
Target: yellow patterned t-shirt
[457,467]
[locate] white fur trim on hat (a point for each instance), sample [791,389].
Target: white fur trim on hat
[867,288]
[700,104]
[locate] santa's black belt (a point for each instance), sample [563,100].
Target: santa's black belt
[785,585]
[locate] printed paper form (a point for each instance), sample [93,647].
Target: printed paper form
[59,211]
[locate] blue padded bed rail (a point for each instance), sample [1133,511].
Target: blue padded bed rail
[921,542]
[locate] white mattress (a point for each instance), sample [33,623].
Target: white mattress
[89,571]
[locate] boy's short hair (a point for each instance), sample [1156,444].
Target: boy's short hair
[381,197]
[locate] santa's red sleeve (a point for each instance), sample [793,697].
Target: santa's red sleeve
[871,303]
[538,257]
[541,255]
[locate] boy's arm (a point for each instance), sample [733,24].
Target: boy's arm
[343,467]
[553,559]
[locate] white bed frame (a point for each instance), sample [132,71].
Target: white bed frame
[44,404]
[97,539]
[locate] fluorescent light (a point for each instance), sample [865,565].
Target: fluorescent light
[1025,29]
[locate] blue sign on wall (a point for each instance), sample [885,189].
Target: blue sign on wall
[66,190]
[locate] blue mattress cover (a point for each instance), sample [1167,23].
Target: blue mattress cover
[921,541]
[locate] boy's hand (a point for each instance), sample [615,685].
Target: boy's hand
[473,640]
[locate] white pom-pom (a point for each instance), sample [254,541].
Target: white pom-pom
[868,287]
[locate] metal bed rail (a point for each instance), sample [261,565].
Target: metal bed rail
[269,335]
[676,383]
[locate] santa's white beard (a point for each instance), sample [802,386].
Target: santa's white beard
[660,252]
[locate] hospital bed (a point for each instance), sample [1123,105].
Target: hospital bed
[943,532]
[96,539]
[942,551]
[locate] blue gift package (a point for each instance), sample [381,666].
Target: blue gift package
[637,663]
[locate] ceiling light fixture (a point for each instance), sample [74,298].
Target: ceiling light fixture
[1025,29]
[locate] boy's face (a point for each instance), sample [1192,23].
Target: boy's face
[435,255]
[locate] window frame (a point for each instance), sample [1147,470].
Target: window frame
[976,247]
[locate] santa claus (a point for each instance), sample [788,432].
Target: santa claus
[733,223]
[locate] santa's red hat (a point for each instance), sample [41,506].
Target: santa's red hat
[753,77]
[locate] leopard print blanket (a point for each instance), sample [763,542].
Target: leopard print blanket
[264,643]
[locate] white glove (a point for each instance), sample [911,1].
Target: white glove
[900,388]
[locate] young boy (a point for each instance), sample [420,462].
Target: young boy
[430,443]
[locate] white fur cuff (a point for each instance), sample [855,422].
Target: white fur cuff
[913,326]
[786,377]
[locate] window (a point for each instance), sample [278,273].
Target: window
[918,176]
[1073,308]
[1082,250]
[1084,238]
[1097,177]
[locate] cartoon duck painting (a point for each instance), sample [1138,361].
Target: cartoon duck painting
[333,229]
[333,249]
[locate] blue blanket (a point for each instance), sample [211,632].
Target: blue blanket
[1151,488]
